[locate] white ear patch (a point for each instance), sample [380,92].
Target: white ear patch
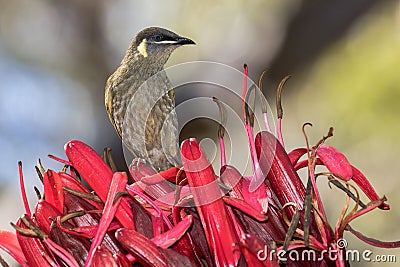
[142,48]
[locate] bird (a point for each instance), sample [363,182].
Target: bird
[140,99]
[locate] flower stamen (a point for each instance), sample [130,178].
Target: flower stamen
[221,129]
[279,108]
[263,101]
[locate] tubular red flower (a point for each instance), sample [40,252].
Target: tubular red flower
[367,188]
[45,213]
[72,183]
[103,257]
[168,238]
[335,161]
[110,208]
[53,190]
[211,208]
[94,169]
[256,252]
[33,249]
[9,243]
[23,192]
[284,180]
[142,248]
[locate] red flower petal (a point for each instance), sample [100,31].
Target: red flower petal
[171,236]
[246,208]
[211,208]
[296,154]
[53,190]
[353,215]
[283,178]
[141,247]
[45,213]
[118,184]
[9,243]
[70,247]
[87,224]
[258,198]
[367,188]
[169,175]
[256,252]
[98,175]
[23,191]
[103,257]
[33,249]
[72,183]
[138,170]
[176,259]
[372,241]
[231,177]
[335,161]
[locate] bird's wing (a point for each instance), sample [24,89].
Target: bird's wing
[108,99]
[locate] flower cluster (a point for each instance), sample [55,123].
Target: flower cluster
[191,216]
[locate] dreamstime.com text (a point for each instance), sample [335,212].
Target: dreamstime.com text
[350,255]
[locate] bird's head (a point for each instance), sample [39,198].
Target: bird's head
[157,44]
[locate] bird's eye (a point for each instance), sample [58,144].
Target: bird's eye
[158,38]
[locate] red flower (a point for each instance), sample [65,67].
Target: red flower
[256,220]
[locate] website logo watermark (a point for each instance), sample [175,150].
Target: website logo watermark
[333,254]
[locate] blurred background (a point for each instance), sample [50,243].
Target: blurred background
[344,58]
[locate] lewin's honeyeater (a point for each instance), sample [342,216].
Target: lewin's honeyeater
[140,100]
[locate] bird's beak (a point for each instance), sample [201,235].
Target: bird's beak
[184,41]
